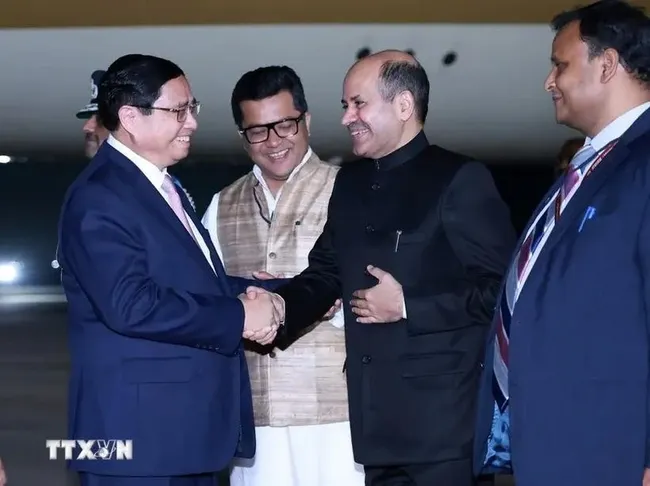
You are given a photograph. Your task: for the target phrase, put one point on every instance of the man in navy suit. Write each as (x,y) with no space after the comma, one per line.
(565,397)
(155,324)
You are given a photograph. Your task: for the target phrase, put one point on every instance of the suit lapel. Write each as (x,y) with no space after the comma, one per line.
(585,193)
(550,194)
(216,261)
(146,193)
(547,197)
(594,182)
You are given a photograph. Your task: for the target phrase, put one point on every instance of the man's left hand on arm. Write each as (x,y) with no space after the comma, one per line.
(382,303)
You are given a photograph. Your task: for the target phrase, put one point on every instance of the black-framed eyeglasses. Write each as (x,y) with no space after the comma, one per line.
(287,127)
(181,113)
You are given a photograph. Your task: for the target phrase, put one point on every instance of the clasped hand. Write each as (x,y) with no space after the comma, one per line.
(382,303)
(264,314)
(264,275)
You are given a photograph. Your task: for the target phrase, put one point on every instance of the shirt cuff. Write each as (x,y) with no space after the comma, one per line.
(403,307)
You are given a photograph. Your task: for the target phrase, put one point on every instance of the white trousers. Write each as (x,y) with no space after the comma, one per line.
(307,455)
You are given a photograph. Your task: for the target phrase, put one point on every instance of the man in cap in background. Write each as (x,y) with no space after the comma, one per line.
(95,132)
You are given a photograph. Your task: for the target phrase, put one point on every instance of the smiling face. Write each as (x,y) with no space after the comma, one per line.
(374,124)
(287,130)
(575,81)
(164,136)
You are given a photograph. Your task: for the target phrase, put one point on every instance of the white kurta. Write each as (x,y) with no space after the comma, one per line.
(306,455)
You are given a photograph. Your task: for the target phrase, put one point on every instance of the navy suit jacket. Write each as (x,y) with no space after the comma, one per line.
(154,334)
(579,341)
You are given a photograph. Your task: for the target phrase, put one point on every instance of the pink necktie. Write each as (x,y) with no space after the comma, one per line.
(175,202)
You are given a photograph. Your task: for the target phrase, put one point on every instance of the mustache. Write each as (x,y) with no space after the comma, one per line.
(357,126)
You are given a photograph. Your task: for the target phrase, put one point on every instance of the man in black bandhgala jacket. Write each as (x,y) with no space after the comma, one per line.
(416,242)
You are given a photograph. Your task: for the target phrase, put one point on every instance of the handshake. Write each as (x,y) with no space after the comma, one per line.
(264,314)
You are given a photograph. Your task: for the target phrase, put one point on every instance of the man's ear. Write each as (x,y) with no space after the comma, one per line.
(610,62)
(405,105)
(308,122)
(129,116)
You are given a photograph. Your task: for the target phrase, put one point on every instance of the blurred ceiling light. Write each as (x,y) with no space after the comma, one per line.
(9,272)
(5,159)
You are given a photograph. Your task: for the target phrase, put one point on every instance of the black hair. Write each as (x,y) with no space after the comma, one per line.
(613,24)
(133,80)
(263,83)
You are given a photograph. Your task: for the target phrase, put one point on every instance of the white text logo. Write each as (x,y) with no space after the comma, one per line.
(91,449)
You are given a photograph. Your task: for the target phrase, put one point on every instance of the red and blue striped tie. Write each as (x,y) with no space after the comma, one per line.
(516,275)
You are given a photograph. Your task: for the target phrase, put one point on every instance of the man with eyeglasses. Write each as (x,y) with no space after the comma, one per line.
(155,323)
(269,220)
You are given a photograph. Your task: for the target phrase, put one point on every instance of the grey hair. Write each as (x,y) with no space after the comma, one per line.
(398,76)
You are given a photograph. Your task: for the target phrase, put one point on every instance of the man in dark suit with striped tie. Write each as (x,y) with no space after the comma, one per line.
(564,399)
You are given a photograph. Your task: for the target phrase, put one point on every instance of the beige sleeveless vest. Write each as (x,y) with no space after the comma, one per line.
(305,384)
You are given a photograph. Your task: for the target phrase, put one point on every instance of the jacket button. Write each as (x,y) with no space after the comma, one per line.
(370,228)
(375,186)
(272,255)
(366,359)
(272,354)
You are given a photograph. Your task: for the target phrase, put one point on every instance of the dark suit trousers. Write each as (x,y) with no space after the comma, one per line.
(448,473)
(87,479)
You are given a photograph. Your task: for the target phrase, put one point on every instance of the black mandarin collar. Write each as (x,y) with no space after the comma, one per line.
(403,154)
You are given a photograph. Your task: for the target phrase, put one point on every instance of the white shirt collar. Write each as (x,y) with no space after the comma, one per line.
(155,175)
(617,128)
(257,172)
